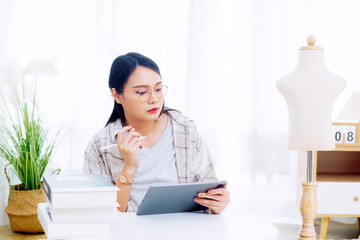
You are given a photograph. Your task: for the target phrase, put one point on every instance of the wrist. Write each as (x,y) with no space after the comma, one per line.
(128,171)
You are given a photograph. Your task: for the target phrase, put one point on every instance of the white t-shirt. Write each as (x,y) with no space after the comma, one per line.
(157,166)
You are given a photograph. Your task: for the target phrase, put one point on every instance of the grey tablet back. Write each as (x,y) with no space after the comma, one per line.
(175,198)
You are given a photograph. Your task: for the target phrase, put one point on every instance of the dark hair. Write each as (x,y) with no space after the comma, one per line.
(121,68)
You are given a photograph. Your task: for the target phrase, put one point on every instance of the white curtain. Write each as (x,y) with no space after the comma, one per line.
(221,60)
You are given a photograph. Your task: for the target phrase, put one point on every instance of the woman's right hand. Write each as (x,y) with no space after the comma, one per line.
(128,147)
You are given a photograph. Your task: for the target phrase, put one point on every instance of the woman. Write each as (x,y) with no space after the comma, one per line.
(152,144)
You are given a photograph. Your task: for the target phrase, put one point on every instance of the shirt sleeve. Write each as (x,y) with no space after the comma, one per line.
(94,162)
(206,169)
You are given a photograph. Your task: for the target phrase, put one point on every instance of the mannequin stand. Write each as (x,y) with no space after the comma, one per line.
(310,118)
(308,204)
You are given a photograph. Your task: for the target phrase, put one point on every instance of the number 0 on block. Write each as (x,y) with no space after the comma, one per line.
(338,134)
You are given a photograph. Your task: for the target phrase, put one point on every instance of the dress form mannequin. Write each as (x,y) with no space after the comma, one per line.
(310,92)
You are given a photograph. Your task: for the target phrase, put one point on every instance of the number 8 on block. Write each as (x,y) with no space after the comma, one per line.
(349,134)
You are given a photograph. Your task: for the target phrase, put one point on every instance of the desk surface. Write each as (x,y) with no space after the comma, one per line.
(227,225)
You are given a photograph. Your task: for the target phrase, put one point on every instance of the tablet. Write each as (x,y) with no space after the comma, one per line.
(175,198)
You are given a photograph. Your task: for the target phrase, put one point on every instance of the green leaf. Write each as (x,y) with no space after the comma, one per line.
(24,143)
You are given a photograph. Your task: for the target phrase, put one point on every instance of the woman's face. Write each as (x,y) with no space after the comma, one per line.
(139,98)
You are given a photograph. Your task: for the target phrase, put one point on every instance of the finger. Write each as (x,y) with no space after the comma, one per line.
(140,143)
(137,145)
(221,191)
(214,206)
(131,134)
(134,143)
(208,203)
(121,132)
(219,198)
(208,211)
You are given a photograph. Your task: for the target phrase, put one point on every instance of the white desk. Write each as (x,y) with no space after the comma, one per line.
(227,225)
(184,226)
(188,226)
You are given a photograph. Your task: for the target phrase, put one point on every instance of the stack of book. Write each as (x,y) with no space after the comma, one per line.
(77,206)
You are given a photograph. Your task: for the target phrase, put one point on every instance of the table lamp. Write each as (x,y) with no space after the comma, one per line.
(351,110)
(310,92)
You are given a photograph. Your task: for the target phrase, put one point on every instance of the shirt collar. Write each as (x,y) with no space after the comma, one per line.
(179,118)
(115,128)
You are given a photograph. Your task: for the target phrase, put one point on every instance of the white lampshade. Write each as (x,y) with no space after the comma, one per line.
(351,111)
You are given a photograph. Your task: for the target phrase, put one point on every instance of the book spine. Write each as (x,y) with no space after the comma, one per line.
(47,189)
(43,218)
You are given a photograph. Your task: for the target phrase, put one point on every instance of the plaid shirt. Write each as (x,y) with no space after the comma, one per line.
(193,159)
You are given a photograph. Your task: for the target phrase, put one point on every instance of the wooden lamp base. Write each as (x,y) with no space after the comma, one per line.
(308,208)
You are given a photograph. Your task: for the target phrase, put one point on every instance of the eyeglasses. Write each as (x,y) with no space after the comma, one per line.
(144,94)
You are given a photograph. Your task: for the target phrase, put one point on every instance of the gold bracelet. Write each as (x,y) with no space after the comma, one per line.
(123,179)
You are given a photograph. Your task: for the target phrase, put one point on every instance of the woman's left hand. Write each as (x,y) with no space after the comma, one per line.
(216,199)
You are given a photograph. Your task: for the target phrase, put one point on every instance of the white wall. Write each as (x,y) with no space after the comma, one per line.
(221,60)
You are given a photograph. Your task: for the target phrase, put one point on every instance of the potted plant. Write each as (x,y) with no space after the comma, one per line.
(25,148)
